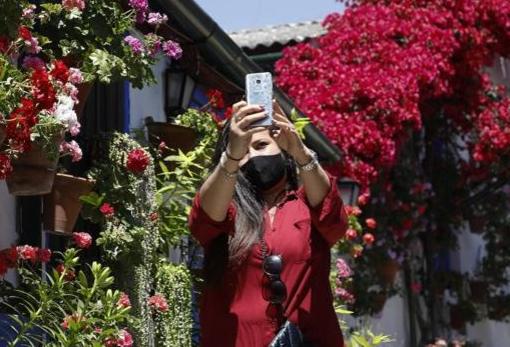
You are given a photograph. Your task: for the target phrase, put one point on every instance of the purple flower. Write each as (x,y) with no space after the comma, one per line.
(343,268)
(172,49)
(141,7)
(156,18)
(135,44)
(32,62)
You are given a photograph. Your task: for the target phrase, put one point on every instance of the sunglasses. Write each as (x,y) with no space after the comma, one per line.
(274,290)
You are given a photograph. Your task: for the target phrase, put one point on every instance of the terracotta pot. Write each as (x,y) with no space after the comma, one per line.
(175,136)
(388,270)
(2,134)
(479,291)
(84,90)
(33,172)
(62,206)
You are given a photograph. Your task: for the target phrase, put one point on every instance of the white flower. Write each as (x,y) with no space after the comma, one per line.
(65,112)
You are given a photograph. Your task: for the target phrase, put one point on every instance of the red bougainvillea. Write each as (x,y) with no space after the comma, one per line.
(383,67)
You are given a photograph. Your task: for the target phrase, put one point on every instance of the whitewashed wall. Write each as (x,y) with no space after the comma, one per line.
(149,101)
(8,235)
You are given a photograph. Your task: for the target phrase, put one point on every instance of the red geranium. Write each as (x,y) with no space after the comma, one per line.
(107,210)
(5,166)
(43,92)
(124,300)
(60,71)
(137,160)
(5,43)
(69,274)
(44,255)
(215,98)
(27,252)
(158,302)
(24,33)
(82,240)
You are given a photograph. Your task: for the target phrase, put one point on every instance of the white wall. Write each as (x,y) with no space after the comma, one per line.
(149,101)
(8,235)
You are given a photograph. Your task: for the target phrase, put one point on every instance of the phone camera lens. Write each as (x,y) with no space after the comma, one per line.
(258,81)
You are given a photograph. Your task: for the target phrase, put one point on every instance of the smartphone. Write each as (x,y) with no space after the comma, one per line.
(259,91)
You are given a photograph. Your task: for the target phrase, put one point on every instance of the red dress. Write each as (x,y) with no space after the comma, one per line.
(234,313)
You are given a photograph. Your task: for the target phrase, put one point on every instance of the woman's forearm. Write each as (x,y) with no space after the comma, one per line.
(315,182)
(218,189)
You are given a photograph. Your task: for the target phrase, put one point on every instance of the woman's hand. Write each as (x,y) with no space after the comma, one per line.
(287,137)
(240,131)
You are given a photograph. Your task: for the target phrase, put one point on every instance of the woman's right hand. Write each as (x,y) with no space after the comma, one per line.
(240,127)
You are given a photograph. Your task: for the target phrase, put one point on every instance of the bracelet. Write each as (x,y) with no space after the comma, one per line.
(226,173)
(312,164)
(231,157)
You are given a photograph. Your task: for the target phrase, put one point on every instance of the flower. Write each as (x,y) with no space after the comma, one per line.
(72,148)
(172,49)
(124,300)
(107,210)
(33,62)
(44,255)
(343,268)
(416,287)
(156,18)
(28,12)
(356,251)
(70,5)
(137,160)
(27,252)
(5,166)
(344,295)
(351,234)
(135,44)
(141,7)
(371,223)
(352,210)
(75,76)
(363,199)
(368,238)
(123,339)
(158,302)
(154,216)
(60,71)
(82,240)
(215,98)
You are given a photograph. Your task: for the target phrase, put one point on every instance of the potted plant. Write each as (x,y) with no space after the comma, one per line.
(35,129)
(169,136)
(62,206)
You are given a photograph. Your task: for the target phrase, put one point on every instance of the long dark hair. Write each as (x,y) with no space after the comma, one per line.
(230,251)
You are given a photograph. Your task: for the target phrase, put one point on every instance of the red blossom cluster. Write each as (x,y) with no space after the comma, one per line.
(123,339)
(9,257)
(158,302)
(384,66)
(82,240)
(137,160)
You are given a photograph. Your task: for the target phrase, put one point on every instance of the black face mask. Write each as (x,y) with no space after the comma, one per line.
(264,171)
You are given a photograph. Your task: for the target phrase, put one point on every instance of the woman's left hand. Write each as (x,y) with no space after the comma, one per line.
(286,136)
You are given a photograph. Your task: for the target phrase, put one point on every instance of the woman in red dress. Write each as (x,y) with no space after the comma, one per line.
(266,240)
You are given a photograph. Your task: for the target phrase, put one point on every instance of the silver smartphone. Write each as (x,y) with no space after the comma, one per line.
(259,91)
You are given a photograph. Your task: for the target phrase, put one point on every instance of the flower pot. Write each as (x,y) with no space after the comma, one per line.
(479,291)
(33,173)
(84,90)
(62,206)
(387,271)
(175,136)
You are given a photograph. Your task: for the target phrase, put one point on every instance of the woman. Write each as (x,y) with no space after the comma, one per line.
(267,243)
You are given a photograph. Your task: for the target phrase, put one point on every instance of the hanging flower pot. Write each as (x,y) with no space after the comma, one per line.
(388,270)
(174,136)
(62,206)
(33,172)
